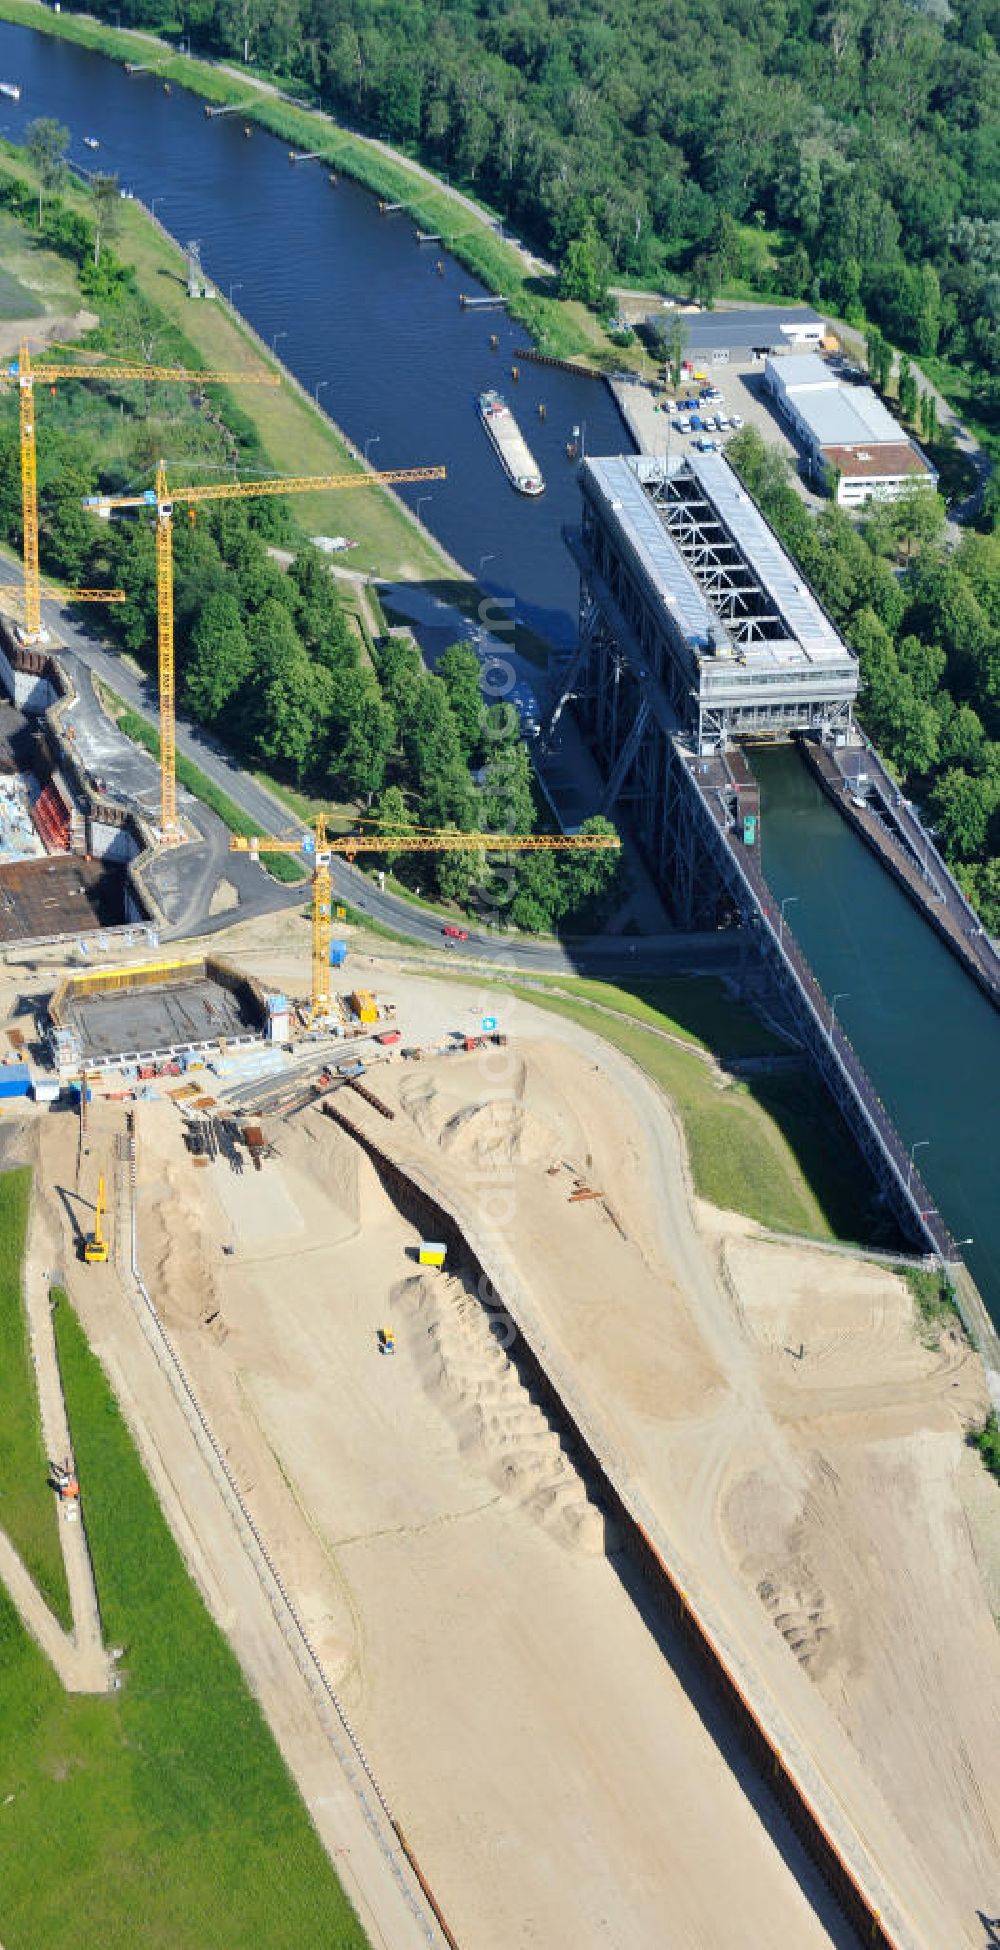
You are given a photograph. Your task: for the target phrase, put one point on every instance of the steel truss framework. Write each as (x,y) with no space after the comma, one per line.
(716,563)
(636,735)
(684,807)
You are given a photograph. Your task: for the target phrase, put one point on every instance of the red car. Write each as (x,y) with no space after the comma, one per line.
(455,934)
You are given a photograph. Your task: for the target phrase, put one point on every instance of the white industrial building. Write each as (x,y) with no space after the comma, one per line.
(849,437)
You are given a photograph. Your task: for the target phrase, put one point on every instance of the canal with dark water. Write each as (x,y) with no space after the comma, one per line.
(927,1036)
(358,304)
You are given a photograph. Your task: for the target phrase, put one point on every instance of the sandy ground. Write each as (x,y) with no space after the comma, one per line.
(555,1779)
(561,1779)
(40,332)
(793,1431)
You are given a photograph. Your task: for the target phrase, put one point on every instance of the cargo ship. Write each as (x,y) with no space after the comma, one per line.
(511,448)
(12,90)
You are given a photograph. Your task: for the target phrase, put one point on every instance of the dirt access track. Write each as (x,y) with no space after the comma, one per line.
(561,1773)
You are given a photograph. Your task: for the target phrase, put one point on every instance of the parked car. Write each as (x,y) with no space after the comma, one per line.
(452,933)
(707,446)
(682,423)
(696,423)
(736,419)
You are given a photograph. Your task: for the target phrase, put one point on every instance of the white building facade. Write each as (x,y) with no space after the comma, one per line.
(851,440)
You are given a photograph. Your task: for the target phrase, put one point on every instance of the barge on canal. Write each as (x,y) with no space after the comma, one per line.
(511,448)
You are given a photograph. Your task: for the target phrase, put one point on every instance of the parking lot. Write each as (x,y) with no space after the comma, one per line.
(655,418)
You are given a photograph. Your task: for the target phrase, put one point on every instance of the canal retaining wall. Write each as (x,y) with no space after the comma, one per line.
(916,867)
(783,1765)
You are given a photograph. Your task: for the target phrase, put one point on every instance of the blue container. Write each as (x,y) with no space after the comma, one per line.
(74,1091)
(15,1080)
(338,954)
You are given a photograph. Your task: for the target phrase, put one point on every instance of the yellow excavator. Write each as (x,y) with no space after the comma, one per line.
(95,1246)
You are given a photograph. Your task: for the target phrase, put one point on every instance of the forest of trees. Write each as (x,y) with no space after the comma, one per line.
(928,641)
(865,132)
(266,657)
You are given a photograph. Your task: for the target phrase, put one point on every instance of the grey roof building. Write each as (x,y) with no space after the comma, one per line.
(848,434)
(726,637)
(741,331)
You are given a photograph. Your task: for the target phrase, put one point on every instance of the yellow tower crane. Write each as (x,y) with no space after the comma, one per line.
(322,848)
(23,373)
(162,499)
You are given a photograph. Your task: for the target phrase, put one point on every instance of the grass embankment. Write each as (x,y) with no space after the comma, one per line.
(33,280)
(283,867)
(934,1299)
(28,1510)
(162,1815)
(767,1147)
(697,1008)
(987,1441)
(294,436)
(566,331)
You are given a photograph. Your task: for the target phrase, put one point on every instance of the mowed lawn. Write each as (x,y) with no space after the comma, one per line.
(697,1008)
(28,1510)
(296,436)
(33,279)
(162,1817)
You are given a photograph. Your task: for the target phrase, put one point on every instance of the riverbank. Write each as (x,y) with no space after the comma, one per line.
(296,435)
(563,329)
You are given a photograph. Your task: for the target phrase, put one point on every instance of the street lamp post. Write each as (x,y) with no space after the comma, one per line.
(237,285)
(787,902)
(318,388)
(153,201)
(920,1145)
(421,498)
(483,561)
(372,441)
(842,995)
(274,341)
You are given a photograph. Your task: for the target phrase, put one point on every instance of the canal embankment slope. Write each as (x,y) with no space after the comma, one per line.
(726,1414)
(466,228)
(296,435)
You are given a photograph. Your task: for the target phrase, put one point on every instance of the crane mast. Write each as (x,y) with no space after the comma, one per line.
(163,501)
(25,373)
(322,848)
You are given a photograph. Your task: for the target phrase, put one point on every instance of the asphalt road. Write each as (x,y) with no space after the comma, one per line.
(186,879)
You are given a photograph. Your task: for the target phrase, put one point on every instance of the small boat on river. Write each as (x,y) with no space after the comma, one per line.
(91,142)
(12,90)
(509,444)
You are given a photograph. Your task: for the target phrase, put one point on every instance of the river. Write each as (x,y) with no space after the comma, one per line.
(359,305)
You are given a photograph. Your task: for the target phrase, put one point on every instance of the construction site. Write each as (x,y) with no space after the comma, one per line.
(566,1487)
(610,1570)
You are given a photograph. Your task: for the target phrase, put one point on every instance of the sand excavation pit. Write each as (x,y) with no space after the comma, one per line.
(869,1570)
(779,1409)
(544,1757)
(459,1353)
